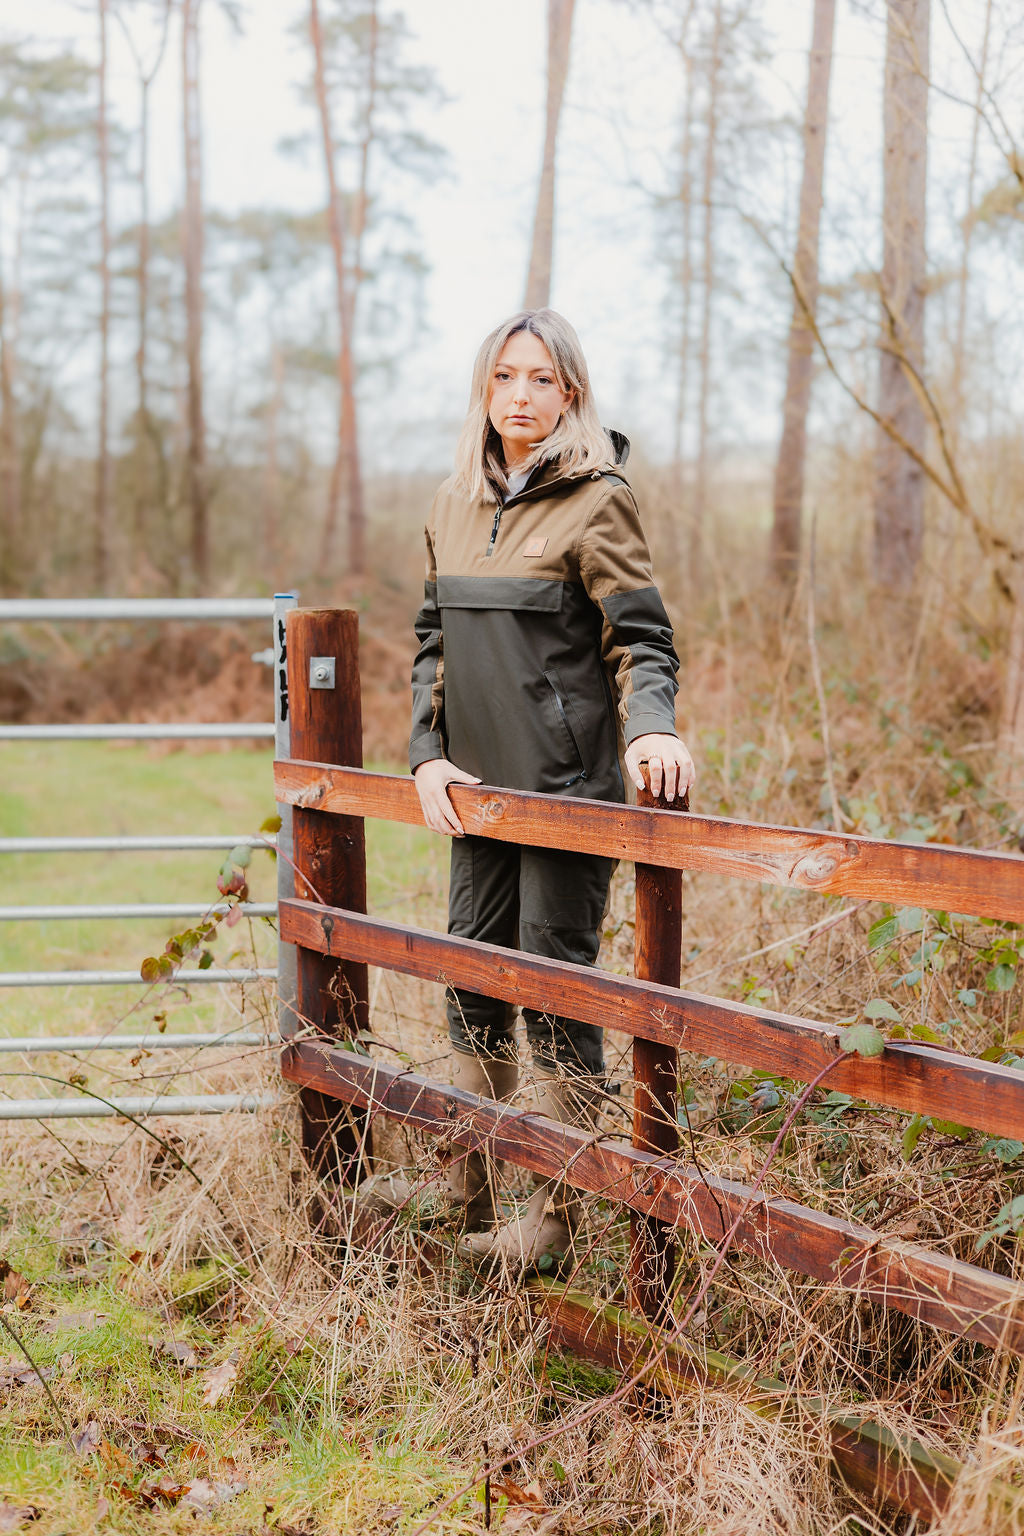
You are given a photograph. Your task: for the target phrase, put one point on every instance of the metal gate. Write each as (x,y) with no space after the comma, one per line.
(275,655)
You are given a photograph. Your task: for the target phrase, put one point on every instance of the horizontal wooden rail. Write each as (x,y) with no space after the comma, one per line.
(930,1287)
(918,1078)
(899,1472)
(907,874)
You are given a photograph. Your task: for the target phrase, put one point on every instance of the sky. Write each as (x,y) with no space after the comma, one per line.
(622,108)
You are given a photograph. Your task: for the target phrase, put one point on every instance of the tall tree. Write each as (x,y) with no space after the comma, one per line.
(365,95)
(789,466)
(103,511)
(347,467)
(714,69)
(538,280)
(146,431)
(197,490)
(47,118)
(899,477)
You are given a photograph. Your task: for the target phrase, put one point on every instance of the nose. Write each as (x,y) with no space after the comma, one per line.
(520,392)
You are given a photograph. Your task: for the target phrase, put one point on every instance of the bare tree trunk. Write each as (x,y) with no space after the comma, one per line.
(959,343)
(700,489)
(10,469)
(899,479)
(686,282)
(146,428)
(1010,752)
(538,281)
(197,490)
(102,514)
(346,468)
(271,470)
(789,467)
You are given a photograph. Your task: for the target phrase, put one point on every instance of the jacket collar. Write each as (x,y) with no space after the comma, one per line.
(546,477)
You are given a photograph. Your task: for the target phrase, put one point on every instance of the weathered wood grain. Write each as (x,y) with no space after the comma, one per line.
(331,992)
(917,1078)
(897,1471)
(931,1287)
(657,945)
(907,874)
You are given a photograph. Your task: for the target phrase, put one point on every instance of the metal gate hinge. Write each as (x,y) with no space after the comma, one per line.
(321,671)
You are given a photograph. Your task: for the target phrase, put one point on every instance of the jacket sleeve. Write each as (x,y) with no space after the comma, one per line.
(636,636)
(426,740)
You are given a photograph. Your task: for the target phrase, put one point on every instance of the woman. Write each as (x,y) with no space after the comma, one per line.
(546,664)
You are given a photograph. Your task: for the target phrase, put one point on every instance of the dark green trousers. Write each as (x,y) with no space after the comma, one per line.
(541,900)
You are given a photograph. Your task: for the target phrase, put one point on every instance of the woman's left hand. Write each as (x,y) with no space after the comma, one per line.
(669,762)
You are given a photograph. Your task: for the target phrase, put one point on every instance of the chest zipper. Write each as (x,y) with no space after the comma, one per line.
(494,530)
(577,778)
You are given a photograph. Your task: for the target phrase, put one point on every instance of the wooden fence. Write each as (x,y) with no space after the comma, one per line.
(342,1090)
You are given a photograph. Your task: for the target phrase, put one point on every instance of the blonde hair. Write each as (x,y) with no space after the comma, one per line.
(579,444)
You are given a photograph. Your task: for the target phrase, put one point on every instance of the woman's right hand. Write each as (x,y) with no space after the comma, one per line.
(432,779)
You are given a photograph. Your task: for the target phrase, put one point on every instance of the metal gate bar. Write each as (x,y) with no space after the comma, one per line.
(124,909)
(136,609)
(130,978)
(39,1045)
(237,730)
(182,844)
(170,1104)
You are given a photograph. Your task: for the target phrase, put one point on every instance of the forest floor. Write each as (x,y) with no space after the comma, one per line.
(203,1357)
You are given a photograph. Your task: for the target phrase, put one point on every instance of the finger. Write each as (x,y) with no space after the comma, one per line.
(671,780)
(656,777)
(453,826)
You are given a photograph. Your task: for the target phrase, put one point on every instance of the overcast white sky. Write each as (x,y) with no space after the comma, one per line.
(623,99)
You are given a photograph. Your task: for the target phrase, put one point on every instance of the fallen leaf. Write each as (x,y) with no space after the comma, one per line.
(102,1508)
(16,1287)
(71,1322)
(218,1381)
(15,1371)
(181,1353)
(167,1489)
(112,1456)
(507,1489)
(206,1493)
(14,1516)
(149,1454)
(86,1441)
(194,1451)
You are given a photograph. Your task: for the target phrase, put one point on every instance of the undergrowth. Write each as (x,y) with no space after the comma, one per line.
(211,1348)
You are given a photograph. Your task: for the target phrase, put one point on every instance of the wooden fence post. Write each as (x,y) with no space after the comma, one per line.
(330,861)
(658,938)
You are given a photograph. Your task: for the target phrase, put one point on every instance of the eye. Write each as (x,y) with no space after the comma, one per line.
(502,378)
(545,380)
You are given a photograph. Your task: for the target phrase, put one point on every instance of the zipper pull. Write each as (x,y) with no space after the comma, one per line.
(494,529)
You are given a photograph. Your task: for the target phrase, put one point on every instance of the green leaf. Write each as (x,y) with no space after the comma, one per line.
(912,1135)
(1009,1219)
(1005,1149)
(878,1008)
(271,825)
(882,932)
(205,960)
(150,970)
(1001,978)
(925,1032)
(241,855)
(951,1128)
(864,1039)
(968,997)
(910,919)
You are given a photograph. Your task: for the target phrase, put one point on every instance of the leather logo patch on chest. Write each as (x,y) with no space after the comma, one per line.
(534,548)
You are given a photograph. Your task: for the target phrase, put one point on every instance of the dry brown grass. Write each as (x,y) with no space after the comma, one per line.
(373,1387)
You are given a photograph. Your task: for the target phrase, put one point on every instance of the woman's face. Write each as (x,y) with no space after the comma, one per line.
(525,400)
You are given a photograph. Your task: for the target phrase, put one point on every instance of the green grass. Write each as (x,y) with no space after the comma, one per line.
(102,789)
